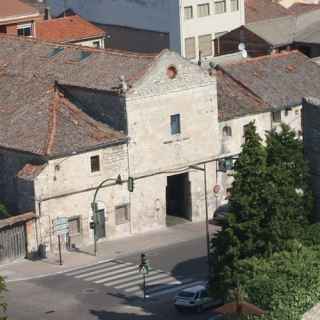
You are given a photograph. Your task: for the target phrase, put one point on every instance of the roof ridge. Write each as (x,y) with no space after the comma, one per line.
(83,48)
(52,122)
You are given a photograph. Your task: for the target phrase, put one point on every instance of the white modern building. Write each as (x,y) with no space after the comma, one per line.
(192,25)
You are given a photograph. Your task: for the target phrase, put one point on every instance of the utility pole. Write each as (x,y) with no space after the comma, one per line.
(204,170)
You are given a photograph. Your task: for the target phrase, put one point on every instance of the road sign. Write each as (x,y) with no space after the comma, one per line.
(216,188)
(61,225)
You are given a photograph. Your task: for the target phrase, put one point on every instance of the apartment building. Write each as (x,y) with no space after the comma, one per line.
(192,25)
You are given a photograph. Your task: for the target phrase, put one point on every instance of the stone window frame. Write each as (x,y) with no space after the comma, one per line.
(79,227)
(227,131)
(126,218)
(95,163)
(276,116)
(175,124)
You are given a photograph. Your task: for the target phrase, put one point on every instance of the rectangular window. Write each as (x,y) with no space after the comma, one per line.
(95,163)
(96,44)
(122,214)
(234,5)
(24,30)
(188,13)
(276,116)
(3,29)
(190,48)
(220,6)
(74,226)
(205,45)
(175,124)
(203,10)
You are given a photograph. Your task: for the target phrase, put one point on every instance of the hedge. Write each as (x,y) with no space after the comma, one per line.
(285,285)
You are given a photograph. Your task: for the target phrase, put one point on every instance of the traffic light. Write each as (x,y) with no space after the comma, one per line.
(144,264)
(130,184)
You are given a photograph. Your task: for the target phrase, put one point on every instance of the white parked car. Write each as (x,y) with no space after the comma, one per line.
(196,298)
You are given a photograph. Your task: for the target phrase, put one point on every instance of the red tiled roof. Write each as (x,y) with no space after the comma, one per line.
(67,29)
(30,171)
(258,10)
(301,8)
(15,9)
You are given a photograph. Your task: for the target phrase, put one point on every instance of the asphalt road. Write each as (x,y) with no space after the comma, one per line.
(73,296)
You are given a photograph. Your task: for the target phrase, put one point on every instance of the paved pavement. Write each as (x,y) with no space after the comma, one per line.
(109,290)
(107,250)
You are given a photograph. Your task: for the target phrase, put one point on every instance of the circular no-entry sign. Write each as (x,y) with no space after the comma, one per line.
(216,188)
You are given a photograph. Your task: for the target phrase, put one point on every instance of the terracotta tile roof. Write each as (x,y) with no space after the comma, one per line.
(269,82)
(258,10)
(15,9)
(17,219)
(301,8)
(36,117)
(72,65)
(67,29)
(30,171)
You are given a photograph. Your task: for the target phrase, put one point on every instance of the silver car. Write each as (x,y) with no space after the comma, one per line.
(196,298)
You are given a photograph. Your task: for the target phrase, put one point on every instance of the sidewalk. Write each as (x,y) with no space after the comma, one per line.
(110,249)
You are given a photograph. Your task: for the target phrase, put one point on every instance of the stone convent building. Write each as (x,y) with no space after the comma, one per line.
(72,117)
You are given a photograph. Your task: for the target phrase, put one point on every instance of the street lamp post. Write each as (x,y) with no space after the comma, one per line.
(204,170)
(118,180)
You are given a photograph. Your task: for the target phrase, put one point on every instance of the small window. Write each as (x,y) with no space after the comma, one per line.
(276,116)
(286,112)
(95,164)
(190,48)
(175,124)
(234,5)
(188,13)
(227,132)
(122,214)
(203,10)
(3,29)
(96,44)
(24,30)
(205,45)
(220,6)
(74,226)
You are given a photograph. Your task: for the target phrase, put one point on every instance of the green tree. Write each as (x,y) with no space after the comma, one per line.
(240,236)
(3,305)
(3,211)
(288,197)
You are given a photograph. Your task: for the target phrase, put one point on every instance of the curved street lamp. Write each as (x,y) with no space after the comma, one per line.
(94,207)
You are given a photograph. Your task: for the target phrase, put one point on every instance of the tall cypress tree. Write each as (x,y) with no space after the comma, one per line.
(240,236)
(288,197)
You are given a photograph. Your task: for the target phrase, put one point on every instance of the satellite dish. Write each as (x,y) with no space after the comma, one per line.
(241,46)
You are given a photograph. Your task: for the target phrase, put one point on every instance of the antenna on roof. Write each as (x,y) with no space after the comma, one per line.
(124,85)
(242,49)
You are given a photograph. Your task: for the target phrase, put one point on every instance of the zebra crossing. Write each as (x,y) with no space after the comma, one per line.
(124,276)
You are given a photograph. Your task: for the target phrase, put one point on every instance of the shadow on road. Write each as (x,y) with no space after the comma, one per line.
(194,268)
(110,315)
